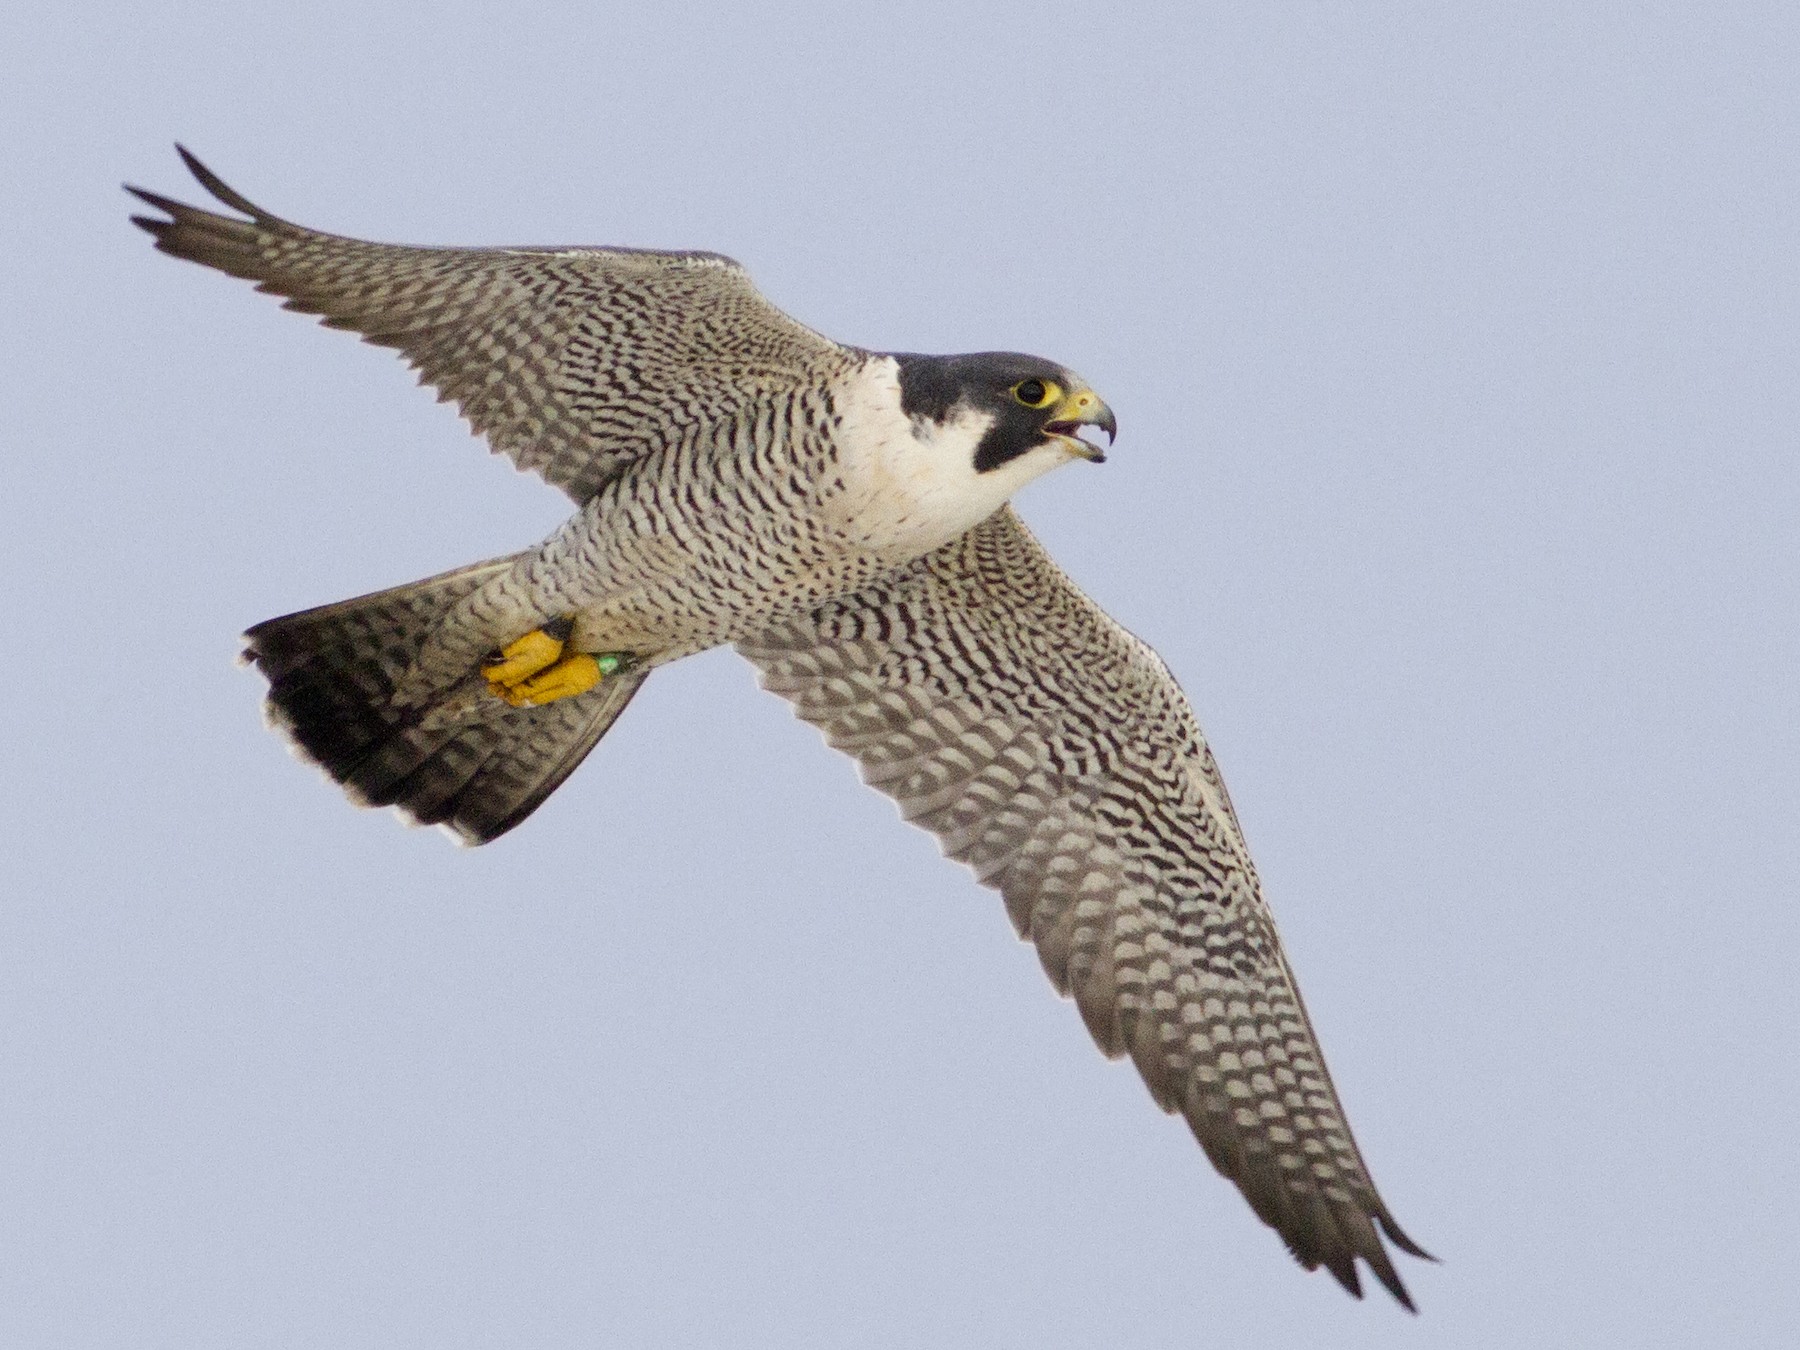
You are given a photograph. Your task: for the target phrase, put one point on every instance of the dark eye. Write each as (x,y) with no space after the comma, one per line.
(1035,393)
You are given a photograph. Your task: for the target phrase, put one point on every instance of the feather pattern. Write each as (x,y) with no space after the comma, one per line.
(1053,753)
(470,763)
(575,362)
(742,479)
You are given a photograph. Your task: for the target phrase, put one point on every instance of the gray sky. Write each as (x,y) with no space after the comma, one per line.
(1454,352)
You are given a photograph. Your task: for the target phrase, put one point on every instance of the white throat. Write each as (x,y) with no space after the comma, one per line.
(910,484)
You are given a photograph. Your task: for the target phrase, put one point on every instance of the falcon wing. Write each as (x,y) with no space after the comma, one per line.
(574,362)
(1053,753)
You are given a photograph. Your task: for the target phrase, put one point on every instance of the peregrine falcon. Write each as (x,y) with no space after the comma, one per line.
(842,517)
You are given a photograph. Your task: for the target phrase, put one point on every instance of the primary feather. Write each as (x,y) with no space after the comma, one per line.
(1053,753)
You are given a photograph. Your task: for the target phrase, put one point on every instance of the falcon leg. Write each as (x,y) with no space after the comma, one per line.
(533,669)
(538,649)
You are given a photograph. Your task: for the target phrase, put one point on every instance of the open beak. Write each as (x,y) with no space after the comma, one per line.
(1082,408)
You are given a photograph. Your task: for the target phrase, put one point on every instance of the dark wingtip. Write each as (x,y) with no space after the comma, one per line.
(218,187)
(1394,1235)
(1390,1281)
(1343,1268)
(1344,1272)
(1383,1269)
(154,226)
(160,202)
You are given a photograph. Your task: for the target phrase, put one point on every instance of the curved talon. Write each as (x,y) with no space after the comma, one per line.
(576,675)
(534,671)
(523,658)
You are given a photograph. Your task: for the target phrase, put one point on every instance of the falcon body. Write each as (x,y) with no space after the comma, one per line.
(842,516)
(709,543)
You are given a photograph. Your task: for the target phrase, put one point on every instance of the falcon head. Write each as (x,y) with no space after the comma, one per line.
(1035,404)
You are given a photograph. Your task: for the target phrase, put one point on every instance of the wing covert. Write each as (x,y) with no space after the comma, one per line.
(573,362)
(1053,753)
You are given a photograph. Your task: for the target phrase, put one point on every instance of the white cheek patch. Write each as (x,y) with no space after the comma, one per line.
(910,483)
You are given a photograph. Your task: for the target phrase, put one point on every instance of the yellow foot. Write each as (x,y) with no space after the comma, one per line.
(534,670)
(573,675)
(536,650)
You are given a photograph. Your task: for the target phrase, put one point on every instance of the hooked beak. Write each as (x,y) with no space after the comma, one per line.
(1082,408)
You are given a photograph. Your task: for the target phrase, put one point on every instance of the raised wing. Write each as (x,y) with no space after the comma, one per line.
(574,361)
(1053,753)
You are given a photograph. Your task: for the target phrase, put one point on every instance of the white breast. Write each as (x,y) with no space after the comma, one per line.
(907,485)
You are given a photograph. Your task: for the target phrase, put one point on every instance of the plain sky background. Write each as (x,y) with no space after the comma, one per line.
(1454,352)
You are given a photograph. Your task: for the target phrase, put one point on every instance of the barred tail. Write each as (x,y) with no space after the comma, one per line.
(469,762)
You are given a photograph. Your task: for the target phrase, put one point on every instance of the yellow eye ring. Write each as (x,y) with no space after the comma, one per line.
(1037,393)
